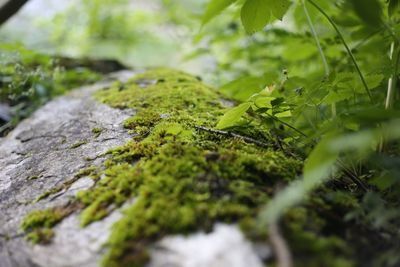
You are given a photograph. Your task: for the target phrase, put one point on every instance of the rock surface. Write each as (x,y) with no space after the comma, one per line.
(51,147)
(44,151)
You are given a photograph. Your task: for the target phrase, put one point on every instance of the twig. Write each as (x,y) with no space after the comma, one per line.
(230,134)
(281,249)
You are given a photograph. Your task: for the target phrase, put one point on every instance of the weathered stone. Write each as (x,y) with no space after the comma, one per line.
(49,149)
(42,153)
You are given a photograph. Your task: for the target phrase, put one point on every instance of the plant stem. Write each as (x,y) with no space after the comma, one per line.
(346,46)
(391,85)
(321,52)
(317,42)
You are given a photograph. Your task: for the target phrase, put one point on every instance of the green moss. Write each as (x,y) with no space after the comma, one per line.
(87,172)
(97,131)
(41,236)
(42,218)
(38,224)
(184,179)
(78,144)
(311,247)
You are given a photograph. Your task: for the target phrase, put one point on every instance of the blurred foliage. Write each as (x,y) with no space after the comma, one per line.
(342,117)
(29,79)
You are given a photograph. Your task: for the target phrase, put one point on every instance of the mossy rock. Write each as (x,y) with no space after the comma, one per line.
(177,175)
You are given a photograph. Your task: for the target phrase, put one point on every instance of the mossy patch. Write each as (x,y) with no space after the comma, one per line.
(182,178)
(87,172)
(78,144)
(97,131)
(38,224)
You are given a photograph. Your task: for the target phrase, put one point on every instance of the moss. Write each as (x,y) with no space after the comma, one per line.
(43,218)
(38,224)
(97,131)
(34,177)
(78,144)
(87,172)
(311,246)
(41,236)
(184,179)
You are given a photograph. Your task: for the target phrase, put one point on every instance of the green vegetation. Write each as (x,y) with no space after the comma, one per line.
(38,224)
(184,179)
(29,79)
(78,144)
(97,131)
(303,132)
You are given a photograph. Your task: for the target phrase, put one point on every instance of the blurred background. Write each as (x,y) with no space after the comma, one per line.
(138,33)
(43,45)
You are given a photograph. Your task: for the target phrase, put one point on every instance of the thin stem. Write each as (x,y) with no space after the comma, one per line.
(346,46)
(317,42)
(391,85)
(321,52)
(231,134)
(286,124)
(280,247)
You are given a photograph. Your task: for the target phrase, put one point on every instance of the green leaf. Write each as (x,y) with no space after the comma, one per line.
(319,163)
(374,80)
(370,11)
(335,97)
(279,8)
(244,87)
(284,114)
(232,116)
(214,8)
(264,102)
(256,14)
(393,6)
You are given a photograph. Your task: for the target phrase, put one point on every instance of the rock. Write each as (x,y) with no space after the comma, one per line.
(46,151)
(225,246)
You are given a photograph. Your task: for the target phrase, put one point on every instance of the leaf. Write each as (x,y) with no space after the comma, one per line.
(232,116)
(256,14)
(335,97)
(279,8)
(284,114)
(319,163)
(374,80)
(370,11)
(393,6)
(264,102)
(243,87)
(214,8)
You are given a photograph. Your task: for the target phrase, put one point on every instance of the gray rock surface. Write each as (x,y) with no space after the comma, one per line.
(225,246)
(40,154)
(48,149)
